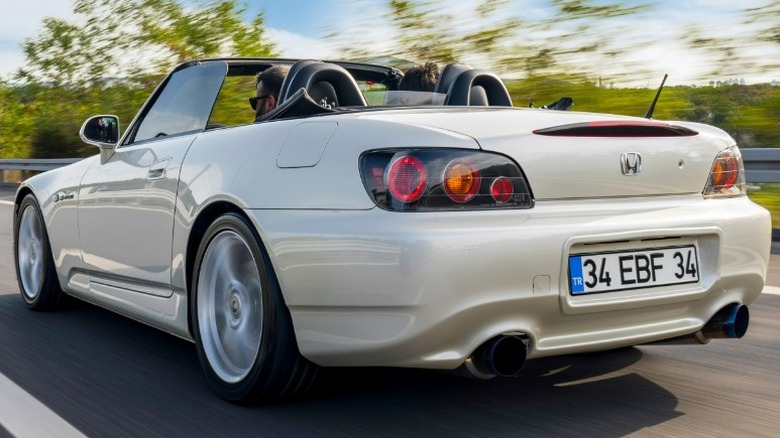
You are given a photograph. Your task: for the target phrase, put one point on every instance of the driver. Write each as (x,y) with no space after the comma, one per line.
(268,84)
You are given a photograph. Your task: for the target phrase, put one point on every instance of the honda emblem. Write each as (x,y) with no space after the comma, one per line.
(630,163)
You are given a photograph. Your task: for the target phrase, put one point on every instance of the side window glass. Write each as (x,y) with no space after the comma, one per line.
(185,103)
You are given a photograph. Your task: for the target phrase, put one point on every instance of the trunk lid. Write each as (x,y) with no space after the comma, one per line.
(600,163)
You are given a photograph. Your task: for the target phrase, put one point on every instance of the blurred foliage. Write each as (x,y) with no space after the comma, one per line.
(232,107)
(573,36)
(136,39)
(768,196)
(731,53)
(749,113)
(108,60)
(427,30)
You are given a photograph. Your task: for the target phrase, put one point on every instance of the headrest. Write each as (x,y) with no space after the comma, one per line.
(310,74)
(460,92)
(299,104)
(285,92)
(324,94)
(478,96)
(448,75)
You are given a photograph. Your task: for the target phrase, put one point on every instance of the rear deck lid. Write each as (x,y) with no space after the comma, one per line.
(582,155)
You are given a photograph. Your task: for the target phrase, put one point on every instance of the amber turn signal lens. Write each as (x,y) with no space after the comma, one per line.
(461,181)
(725,171)
(727,175)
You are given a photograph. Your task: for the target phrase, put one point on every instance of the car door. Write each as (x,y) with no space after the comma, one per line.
(127,205)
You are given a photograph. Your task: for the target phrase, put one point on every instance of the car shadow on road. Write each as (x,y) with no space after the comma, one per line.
(99,370)
(557,396)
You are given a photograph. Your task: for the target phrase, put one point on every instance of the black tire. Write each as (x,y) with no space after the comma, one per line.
(35,271)
(233,286)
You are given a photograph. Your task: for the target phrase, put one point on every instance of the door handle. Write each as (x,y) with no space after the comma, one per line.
(157,169)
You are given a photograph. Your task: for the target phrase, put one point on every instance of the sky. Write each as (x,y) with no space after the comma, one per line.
(298,28)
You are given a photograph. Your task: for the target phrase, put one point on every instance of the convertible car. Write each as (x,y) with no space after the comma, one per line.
(355,226)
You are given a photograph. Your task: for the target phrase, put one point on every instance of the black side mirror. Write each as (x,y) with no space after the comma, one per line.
(100,130)
(103,132)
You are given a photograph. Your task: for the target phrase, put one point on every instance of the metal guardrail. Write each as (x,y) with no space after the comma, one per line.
(36,164)
(762,165)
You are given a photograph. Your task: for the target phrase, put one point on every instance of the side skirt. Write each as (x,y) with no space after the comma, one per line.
(159,307)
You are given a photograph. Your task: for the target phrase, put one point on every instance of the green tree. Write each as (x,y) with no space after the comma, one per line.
(108,60)
(17,121)
(131,38)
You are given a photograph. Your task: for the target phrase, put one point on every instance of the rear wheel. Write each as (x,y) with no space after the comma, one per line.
(34,263)
(242,328)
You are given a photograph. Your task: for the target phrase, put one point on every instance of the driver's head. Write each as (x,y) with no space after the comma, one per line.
(267,87)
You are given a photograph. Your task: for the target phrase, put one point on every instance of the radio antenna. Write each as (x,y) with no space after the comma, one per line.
(650,110)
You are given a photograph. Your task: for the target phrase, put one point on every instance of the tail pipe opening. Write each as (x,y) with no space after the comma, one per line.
(729,322)
(501,356)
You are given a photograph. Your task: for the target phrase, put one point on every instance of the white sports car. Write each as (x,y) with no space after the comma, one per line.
(443,231)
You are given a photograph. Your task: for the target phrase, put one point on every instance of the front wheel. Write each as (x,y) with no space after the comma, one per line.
(242,328)
(35,272)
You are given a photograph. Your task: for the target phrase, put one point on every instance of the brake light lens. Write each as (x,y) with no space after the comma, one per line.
(443,179)
(502,189)
(727,176)
(407,178)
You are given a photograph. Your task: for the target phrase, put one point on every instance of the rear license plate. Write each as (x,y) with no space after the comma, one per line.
(624,270)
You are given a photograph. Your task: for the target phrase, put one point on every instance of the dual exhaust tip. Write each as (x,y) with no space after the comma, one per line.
(729,322)
(505,355)
(502,356)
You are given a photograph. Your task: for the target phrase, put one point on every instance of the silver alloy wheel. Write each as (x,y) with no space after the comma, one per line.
(30,252)
(230,306)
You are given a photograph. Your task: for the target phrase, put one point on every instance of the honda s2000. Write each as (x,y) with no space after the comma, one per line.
(360,225)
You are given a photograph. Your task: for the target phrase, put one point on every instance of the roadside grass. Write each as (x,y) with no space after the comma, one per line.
(768,196)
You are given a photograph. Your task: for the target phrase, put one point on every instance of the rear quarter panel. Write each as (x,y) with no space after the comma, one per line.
(242,166)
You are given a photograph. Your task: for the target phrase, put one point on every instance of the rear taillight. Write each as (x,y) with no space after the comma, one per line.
(443,179)
(727,176)
(407,178)
(502,189)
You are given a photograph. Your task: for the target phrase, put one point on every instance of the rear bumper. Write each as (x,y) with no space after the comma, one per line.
(377,288)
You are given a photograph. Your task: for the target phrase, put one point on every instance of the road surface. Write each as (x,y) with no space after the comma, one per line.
(84,370)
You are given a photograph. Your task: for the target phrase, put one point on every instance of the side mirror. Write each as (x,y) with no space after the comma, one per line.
(103,132)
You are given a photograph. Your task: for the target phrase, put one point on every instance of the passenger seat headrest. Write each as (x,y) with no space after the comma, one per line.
(448,75)
(323,80)
(478,96)
(462,90)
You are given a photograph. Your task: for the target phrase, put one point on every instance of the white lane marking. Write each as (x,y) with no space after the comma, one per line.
(772,290)
(22,415)
(6,202)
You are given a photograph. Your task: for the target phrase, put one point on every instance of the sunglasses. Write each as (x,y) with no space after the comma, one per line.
(253,100)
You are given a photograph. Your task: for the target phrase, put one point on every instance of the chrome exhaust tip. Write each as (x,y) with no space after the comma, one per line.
(502,356)
(731,321)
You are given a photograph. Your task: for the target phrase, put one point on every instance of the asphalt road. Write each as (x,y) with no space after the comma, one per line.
(83,370)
